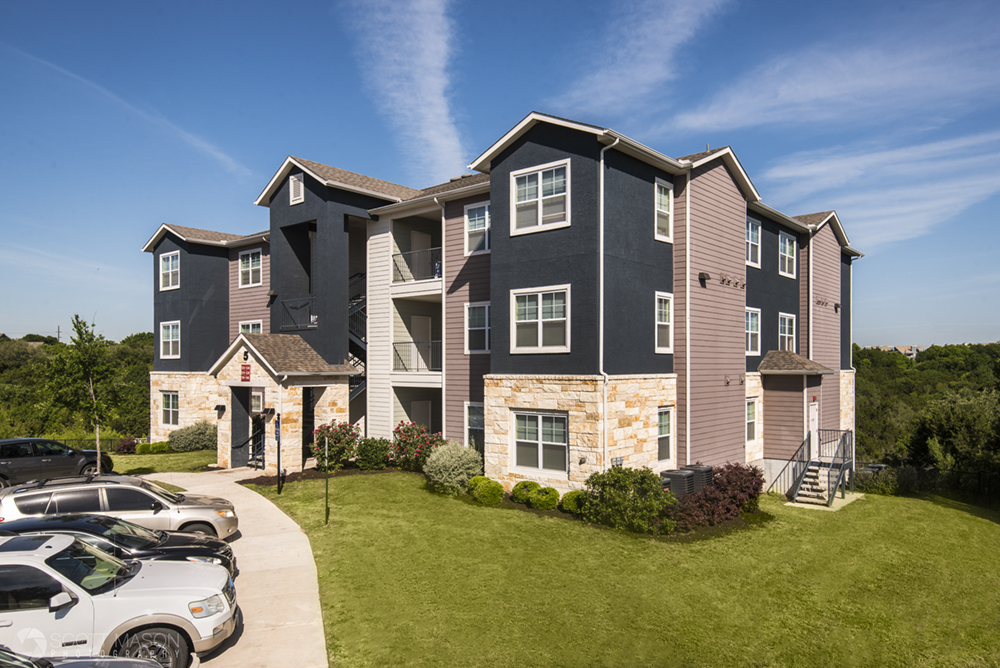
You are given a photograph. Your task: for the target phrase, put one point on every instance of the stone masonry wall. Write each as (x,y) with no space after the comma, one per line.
(755,389)
(197,397)
(633,403)
(847,399)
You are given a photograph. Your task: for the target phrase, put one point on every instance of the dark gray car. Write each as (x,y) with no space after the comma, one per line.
(24,459)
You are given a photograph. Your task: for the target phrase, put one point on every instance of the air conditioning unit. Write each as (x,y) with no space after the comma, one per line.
(678,482)
(703,475)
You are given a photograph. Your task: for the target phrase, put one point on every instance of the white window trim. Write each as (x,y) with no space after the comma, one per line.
(656,323)
(795,331)
(292,180)
(239,269)
(176,253)
(251,323)
(489,341)
(752,353)
(656,228)
(513,443)
(465,413)
(164,409)
(669,410)
(513,198)
(752,222)
(795,257)
(756,420)
(514,350)
(257,391)
(488,226)
(160,342)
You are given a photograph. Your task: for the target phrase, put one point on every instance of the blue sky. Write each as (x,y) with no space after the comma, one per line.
(116,117)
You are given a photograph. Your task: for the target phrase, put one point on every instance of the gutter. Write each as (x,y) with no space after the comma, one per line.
(600,318)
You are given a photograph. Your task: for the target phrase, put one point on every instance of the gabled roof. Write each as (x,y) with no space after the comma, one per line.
(818,220)
(283,355)
(195,235)
(462,186)
(335,178)
(787,363)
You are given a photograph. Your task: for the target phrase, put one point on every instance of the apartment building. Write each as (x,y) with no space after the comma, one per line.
(580,300)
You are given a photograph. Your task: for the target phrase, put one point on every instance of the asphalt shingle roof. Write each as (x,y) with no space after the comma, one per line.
(704,154)
(289,353)
(196,234)
(813,218)
(394,190)
(785,361)
(462,182)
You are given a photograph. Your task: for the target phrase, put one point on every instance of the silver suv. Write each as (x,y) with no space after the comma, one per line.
(133,499)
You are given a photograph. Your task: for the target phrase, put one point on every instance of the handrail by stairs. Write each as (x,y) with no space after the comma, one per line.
(256,442)
(790,478)
(843,455)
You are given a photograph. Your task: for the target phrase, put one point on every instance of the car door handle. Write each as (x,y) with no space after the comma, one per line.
(6,622)
(46,460)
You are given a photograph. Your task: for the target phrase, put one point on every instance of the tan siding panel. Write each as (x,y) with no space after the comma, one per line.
(784,416)
(379,309)
(249,303)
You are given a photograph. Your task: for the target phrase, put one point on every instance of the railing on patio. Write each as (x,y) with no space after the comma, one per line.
(829,443)
(840,468)
(298,313)
(416,356)
(416,265)
(790,479)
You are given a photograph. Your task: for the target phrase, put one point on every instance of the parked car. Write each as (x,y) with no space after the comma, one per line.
(61,597)
(10,659)
(128,541)
(125,497)
(24,459)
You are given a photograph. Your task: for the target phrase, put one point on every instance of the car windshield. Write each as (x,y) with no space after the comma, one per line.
(156,489)
(88,567)
(125,533)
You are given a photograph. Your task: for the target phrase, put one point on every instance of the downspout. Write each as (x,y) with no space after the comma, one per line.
(444,332)
(600,309)
(281,398)
(809,309)
(687,319)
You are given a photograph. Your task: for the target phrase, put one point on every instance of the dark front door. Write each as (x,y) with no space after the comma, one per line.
(308,422)
(240,416)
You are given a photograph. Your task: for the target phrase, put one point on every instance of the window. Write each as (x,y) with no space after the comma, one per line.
(664,322)
(170,340)
(751,420)
(542,441)
(171,410)
(664,211)
(540,197)
(26,588)
(249,268)
(753,243)
(77,501)
(477,328)
(256,400)
(475,427)
(541,320)
(296,191)
(477,228)
(251,327)
(121,499)
(753,331)
(170,271)
(663,432)
(786,255)
(786,332)
(33,505)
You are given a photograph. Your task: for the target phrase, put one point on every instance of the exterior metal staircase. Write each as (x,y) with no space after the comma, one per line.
(821,467)
(357,319)
(356,384)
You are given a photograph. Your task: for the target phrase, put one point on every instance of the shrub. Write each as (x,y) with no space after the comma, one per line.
(742,483)
(572,502)
(126,446)
(545,498)
(476,481)
(451,466)
(488,492)
(343,440)
(412,445)
(152,448)
(628,499)
(523,490)
(372,454)
(143,448)
(198,436)
(881,482)
(736,488)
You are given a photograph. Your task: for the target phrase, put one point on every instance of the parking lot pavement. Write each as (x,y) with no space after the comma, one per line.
(276,588)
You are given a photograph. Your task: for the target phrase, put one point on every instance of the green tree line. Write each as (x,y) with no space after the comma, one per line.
(942,409)
(48,388)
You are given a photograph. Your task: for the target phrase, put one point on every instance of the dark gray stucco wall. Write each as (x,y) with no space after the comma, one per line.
(846,344)
(769,291)
(200,304)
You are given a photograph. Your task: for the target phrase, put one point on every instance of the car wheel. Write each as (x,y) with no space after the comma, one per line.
(89,469)
(165,646)
(200,527)
(4,482)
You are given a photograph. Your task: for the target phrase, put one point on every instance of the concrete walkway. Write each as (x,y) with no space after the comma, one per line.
(276,588)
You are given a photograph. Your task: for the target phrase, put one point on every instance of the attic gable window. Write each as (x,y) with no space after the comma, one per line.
(170,271)
(296,189)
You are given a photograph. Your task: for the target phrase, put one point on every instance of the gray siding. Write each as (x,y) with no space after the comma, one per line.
(769,291)
(249,303)
(784,416)
(825,320)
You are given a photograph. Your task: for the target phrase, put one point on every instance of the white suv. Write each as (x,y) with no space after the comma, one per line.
(60,597)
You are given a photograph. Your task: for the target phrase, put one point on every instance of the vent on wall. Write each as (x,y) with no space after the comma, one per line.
(296,193)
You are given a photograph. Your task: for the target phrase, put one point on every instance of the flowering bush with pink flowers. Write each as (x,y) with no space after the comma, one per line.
(412,445)
(343,437)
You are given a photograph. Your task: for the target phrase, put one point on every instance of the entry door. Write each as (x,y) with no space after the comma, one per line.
(813,430)
(420,412)
(420,265)
(420,328)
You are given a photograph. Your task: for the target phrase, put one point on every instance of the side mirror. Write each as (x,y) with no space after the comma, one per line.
(61,601)
(156,505)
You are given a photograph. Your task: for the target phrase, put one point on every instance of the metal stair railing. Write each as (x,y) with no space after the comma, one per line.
(357,313)
(256,443)
(356,383)
(790,479)
(840,467)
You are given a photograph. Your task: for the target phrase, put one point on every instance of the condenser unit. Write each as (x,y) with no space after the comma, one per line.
(678,482)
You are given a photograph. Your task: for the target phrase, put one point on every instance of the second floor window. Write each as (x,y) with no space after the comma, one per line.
(477,228)
(786,332)
(664,211)
(753,331)
(170,340)
(541,197)
(541,320)
(477,328)
(250,269)
(251,327)
(786,255)
(170,271)
(664,322)
(753,243)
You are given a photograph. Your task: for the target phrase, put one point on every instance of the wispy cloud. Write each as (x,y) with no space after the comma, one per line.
(893,194)
(638,54)
(407,69)
(152,117)
(26,266)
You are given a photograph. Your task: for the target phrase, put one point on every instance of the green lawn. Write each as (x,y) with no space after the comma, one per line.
(412,578)
(164,462)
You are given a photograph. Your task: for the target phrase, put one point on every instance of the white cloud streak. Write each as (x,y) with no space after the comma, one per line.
(154,118)
(885,195)
(637,55)
(406,65)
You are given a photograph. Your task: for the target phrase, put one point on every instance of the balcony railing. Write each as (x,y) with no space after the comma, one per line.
(416,356)
(416,265)
(298,313)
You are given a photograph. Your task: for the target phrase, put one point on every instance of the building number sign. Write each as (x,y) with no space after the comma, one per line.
(245,373)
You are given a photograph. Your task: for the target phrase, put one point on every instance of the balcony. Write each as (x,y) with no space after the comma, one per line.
(418,265)
(298,314)
(416,356)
